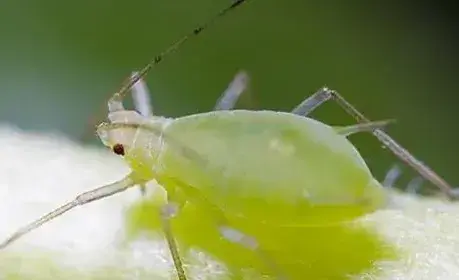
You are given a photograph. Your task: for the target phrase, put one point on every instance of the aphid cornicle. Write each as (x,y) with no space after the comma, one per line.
(270,168)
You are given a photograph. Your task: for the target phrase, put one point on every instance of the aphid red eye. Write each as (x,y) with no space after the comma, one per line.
(118,149)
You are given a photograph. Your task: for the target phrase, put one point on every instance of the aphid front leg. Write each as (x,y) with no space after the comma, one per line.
(325,94)
(228,99)
(81,199)
(177,191)
(168,211)
(236,236)
(175,202)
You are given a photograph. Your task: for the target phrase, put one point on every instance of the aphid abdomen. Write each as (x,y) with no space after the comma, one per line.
(273,167)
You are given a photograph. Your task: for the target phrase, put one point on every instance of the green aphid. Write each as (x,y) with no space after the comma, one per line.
(262,202)
(261,181)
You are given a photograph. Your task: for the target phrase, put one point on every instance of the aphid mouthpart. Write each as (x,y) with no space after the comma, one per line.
(118,149)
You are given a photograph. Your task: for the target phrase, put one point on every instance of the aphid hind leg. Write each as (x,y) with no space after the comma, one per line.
(325,94)
(230,96)
(413,187)
(81,199)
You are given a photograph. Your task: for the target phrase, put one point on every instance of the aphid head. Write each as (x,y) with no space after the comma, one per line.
(128,131)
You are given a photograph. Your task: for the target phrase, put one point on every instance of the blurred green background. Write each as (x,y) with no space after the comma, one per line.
(60,60)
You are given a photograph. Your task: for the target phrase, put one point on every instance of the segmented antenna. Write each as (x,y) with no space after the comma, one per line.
(157,59)
(131,81)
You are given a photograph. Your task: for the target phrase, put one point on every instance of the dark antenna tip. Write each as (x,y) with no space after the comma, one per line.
(157,59)
(132,80)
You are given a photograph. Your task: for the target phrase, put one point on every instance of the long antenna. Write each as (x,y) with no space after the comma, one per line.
(132,80)
(157,59)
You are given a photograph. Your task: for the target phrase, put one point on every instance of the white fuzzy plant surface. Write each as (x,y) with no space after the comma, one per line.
(39,172)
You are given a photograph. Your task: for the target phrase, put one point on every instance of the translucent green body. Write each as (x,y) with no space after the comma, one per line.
(269,167)
(288,181)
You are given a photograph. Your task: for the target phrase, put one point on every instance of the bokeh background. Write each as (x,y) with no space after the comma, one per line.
(60,60)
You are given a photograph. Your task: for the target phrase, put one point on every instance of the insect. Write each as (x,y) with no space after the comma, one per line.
(266,169)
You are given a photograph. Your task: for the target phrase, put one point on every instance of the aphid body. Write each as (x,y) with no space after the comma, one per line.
(268,167)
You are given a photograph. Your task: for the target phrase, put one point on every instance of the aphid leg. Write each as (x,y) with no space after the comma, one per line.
(230,96)
(236,236)
(143,189)
(81,199)
(115,103)
(394,173)
(414,186)
(391,176)
(175,191)
(142,104)
(168,211)
(311,103)
(175,201)
(141,97)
